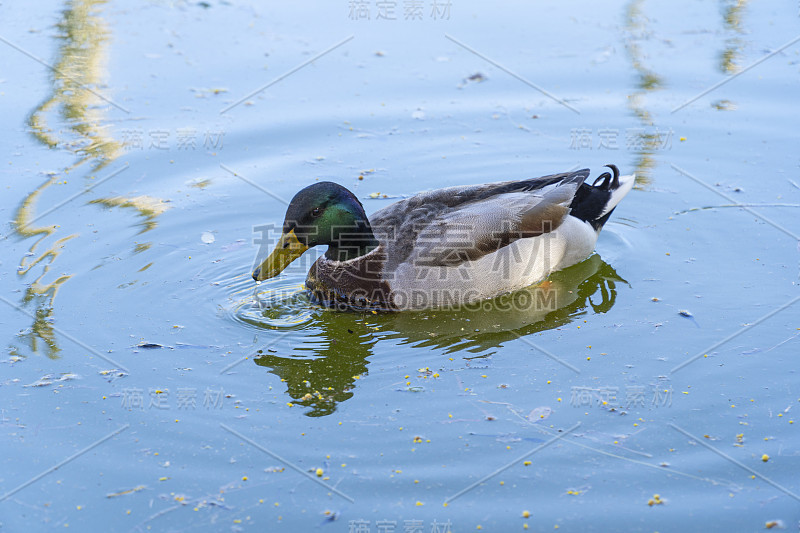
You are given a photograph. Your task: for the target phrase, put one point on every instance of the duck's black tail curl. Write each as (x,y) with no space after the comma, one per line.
(595,203)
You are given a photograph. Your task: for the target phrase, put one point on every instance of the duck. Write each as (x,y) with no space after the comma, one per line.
(446,247)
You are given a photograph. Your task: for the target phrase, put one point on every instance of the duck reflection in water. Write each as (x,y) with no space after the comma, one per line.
(325,369)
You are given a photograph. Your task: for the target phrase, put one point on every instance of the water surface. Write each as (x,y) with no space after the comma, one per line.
(143,170)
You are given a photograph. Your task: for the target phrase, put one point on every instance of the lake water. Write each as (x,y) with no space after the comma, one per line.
(147,384)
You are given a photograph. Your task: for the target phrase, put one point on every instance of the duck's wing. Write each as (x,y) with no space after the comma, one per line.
(448,227)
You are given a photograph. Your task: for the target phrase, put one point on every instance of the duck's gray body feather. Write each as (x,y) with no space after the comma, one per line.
(457,245)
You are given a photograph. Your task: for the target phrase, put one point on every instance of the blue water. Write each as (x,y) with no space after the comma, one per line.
(135,198)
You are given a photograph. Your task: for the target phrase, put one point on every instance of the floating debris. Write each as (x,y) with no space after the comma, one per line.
(690,316)
(234,245)
(126,492)
(205,92)
(475,78)
(540,413)
(49,379)
(113,374)
(724,105)
(149,346)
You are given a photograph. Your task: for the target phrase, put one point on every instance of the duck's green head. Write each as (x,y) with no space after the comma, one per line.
(323,213)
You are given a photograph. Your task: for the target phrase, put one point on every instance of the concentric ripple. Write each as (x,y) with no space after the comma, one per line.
(278,304)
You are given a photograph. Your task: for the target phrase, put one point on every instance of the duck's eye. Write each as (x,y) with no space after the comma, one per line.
(317,211)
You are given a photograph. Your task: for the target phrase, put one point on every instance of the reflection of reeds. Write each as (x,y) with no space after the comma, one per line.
(648,81)
(732,19)
(147,207)
(80,66)
(732,11)
(71,118)
(38,294)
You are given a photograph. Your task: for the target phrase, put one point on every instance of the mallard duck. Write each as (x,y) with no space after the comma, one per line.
(446,247)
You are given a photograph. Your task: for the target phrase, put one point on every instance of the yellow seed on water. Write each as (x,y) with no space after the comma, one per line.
(526,514)
(319,472)
(765,458)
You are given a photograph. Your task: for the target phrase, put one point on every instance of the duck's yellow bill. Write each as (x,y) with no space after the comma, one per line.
(287,250)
